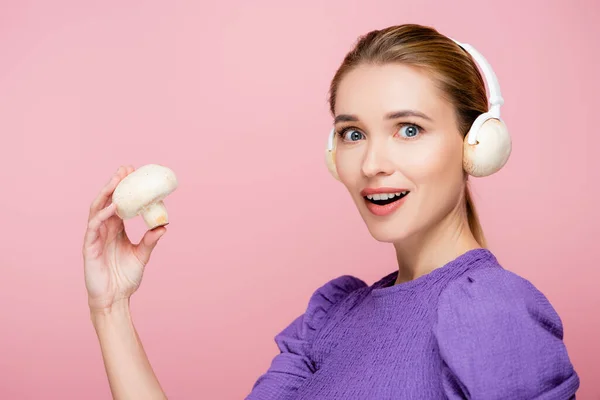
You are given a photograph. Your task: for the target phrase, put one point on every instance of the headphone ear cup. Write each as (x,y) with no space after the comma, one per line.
(330,161)
(492,150)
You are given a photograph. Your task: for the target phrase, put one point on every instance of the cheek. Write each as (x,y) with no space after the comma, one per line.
(348,162)
(434,161)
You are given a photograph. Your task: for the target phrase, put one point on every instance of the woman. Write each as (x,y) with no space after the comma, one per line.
(450,322)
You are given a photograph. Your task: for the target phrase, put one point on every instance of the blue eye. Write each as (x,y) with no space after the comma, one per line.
(409,130)
(354,135)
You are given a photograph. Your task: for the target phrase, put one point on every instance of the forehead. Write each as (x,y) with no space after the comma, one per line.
(374,90)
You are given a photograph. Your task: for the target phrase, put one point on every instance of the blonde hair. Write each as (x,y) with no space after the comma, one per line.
(452,68)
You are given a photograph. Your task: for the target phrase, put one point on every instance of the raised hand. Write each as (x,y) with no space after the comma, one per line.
(113,266)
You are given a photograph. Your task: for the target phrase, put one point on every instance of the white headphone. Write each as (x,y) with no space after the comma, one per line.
(487,145)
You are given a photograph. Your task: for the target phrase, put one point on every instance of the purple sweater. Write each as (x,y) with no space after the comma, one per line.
(467,330)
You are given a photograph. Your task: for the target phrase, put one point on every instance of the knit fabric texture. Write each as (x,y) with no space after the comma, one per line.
(467,330)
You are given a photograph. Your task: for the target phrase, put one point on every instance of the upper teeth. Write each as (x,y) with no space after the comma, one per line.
(384,196)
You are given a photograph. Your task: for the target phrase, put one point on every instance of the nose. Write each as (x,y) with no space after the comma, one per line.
(377,160)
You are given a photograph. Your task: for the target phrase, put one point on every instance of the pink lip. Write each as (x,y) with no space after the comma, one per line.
(368,191)
(382,211)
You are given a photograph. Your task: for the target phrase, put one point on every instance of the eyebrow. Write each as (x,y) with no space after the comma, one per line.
(392,115)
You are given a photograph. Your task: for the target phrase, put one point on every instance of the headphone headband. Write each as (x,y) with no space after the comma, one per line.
(491,80)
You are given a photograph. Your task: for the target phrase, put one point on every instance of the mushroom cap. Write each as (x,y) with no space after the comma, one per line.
(146,185)
(330,162)
(491,152)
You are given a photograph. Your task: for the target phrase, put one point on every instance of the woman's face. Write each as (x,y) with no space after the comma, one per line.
(397,136)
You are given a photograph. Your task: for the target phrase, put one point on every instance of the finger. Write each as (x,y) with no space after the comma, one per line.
(103,197)
(94,224)
(144,248)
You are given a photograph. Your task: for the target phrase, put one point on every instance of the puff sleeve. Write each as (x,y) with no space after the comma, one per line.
(293,364)
(500,338)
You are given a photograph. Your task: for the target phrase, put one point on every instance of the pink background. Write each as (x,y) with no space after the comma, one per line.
(233,98)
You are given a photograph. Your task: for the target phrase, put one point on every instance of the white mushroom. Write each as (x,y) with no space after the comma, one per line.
(142,193)
(491,152)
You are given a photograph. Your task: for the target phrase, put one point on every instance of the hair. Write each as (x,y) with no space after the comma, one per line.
(451,67)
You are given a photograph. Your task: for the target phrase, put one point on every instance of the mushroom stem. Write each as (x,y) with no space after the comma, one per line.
(155,215)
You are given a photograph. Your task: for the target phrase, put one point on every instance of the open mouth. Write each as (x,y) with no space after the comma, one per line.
(383,199)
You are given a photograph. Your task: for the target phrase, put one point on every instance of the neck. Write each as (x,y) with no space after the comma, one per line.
(434,247)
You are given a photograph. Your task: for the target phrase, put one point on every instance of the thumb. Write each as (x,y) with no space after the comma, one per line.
(148,242)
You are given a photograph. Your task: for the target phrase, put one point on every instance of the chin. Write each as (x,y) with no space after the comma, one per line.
(386,232)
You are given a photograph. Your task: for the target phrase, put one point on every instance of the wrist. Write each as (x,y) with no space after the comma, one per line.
(117,310)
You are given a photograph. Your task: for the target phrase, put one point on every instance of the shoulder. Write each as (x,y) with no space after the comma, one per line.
(328,297)
(500,337)
(493,293)
(294,364)
(322,303)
